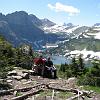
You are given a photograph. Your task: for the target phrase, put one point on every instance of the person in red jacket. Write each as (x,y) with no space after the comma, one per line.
(39,65)
(40,61)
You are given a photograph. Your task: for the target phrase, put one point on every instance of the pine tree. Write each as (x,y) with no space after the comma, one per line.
(74,67)
(80,63)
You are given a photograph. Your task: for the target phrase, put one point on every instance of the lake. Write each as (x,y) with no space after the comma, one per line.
(60,60)
(57,60)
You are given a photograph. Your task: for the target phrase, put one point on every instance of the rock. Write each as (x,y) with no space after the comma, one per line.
(28,82)
(31,72)
(9,81)
(12,73)
(2,80)
(25,71)
(17,77)
(71,82)
(29,99)
(48,98)
(25,75)
(9,77)
(15,93)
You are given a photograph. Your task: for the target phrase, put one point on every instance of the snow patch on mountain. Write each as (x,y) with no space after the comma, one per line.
(86,36)
(85,54)
(60,29)
(97,36)
(72,29)
(98,29)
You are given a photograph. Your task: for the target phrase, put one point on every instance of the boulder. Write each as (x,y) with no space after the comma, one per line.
(9,81)
(15,93)
(25,71)
(31,72)
(72,82)
(17,77)
(12,73)
(25,75)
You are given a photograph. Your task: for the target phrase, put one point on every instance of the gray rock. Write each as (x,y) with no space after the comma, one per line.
(25,75)
(12,73)
(9,81)
(31,72)
(17,77)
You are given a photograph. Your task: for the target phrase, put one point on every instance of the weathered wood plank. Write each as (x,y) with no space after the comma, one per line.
(24,96)
(4,92)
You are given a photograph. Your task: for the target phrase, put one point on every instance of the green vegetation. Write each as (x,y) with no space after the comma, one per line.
(78,44)
(75,69)
(64,95)
(94,88)
(92,76)
(18,94)
(60,95)
(46,93)
(11,57)
(6,57)
(85,75)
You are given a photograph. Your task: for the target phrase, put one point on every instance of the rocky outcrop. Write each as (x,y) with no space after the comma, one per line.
(12,73)
(47,23)
(18,75)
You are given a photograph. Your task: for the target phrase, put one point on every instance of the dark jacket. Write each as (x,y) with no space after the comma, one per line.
(49,63)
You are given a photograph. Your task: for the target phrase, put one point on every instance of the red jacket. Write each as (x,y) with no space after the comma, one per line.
(38,61)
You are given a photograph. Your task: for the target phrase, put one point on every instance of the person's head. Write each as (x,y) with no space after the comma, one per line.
(48,59)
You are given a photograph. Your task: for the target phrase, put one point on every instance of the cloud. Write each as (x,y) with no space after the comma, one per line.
(58,7)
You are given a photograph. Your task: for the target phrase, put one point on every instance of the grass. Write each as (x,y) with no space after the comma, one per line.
(59,73)
(18,94)
(46,93)
(94,88)
(64,95)
(60,95)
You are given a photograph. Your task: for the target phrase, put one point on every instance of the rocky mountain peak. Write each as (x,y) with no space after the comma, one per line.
(36,21)
(18,17)
(2,17)
(97,24)
(69,24)
(48,23)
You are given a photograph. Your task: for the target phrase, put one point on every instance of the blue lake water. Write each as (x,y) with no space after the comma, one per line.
(57,60)
(60,60)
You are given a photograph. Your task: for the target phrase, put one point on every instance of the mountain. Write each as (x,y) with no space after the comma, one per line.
(36,21)
(19,27)
(48,23)
(85,39)
(97,24)
(67,30)
(57,28)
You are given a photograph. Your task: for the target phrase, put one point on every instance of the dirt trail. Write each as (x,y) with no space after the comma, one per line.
(35,80)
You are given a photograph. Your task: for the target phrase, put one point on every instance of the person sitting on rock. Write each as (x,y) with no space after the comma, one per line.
(49,63)
(51,68)
(40,61)
(39,64)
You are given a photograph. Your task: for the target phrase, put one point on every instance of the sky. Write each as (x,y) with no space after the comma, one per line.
(78,12)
